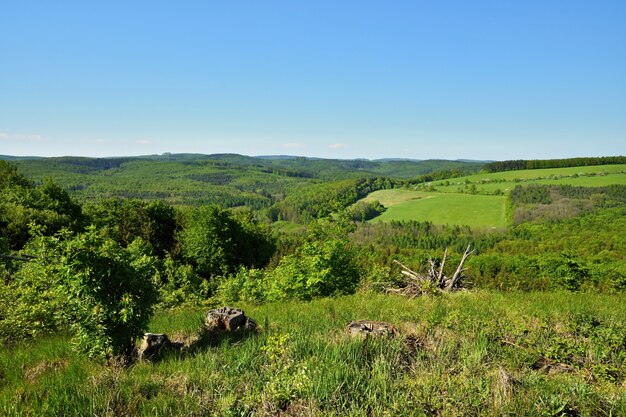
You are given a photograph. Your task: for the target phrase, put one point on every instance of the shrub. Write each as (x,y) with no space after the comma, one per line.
(179,284)
(248,285)
(326,265)
(106,290)
(217,242)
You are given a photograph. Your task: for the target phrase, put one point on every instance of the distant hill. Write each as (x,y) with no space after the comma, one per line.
(18,158)
(226,179)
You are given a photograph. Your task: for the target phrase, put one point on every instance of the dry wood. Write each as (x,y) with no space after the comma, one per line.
(443,262)
(418,284)
(457,274)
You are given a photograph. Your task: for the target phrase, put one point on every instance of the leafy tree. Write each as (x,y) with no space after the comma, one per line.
(107,290)
(326,265)
(126,220)
(22,203)
(366,210)
(10,178)
(217,242)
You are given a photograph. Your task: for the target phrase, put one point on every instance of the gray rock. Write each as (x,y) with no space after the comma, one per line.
(365,328)
(228,319)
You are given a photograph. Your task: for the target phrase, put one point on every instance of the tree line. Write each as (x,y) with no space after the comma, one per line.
(522,164)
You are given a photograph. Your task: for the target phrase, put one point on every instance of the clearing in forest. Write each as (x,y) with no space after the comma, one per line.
(442,208)
(501,182)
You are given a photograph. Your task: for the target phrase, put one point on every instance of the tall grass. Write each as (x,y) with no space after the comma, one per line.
(463,354)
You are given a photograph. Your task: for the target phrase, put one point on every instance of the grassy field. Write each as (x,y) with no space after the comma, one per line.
(461,354)
(442,208)
(589,176)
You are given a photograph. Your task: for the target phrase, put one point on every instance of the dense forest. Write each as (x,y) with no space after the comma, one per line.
(227,180)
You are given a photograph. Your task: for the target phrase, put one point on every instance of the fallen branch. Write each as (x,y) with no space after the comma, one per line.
(435,279)
(24,258)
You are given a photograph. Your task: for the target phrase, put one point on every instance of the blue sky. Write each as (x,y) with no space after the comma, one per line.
(342,79)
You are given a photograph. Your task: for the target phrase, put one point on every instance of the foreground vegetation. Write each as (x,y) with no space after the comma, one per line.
(463,354)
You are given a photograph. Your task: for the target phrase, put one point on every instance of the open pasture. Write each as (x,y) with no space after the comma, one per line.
(587,176)
(442,208)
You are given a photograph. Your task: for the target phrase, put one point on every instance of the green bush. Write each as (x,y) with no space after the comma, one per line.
(104,292)
(179,284)
(218,242)
(248,285)
(327,264)
(31,303)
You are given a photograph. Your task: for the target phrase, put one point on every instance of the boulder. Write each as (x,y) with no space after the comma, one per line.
(228,319)
(154,345)
(365,328)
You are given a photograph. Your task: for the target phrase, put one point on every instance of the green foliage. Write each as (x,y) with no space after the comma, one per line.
(247,285)
(22,203)
(571,274)
(106,290)
(126,220)
(366,210)
(521,164)
(178,284)
(325,265)
(320,200)
(31,303)
(217,242)
(10,178)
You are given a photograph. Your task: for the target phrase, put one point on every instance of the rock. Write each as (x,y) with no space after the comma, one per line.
(364,328)
(228,319)
(153,346)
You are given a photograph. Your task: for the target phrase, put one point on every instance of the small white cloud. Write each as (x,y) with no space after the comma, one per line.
(294,145)
(100,141)
(338,146)
(21,138)
(144,142)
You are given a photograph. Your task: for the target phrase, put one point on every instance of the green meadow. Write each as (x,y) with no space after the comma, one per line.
(479,353)
(586,176)
(479,200)
(442,208)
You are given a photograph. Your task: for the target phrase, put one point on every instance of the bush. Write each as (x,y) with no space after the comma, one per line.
(366,210)
(248,285)
(325,265)
(106,291)
(179,284)
(217,242)
(31,302)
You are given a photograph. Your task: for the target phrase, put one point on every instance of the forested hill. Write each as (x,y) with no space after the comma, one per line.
(229,180)
(328,169)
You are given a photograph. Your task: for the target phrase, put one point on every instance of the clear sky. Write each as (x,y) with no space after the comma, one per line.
(497,79)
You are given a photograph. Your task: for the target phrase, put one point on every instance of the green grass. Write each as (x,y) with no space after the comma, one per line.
(442,208)
(463,354)
(588,176)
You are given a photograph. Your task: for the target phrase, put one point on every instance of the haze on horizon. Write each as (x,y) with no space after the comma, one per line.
(352,79)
